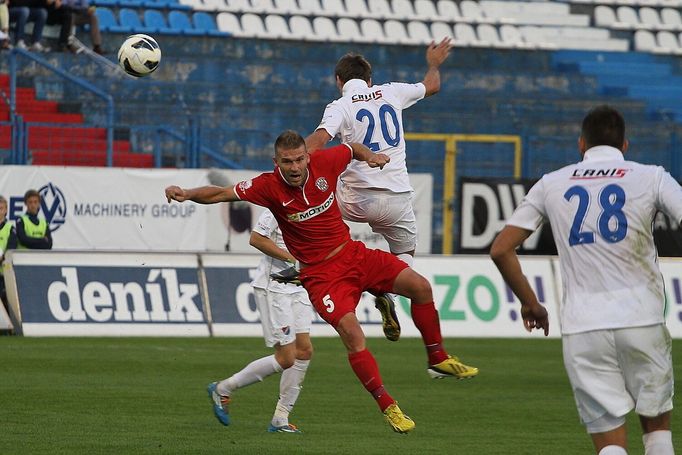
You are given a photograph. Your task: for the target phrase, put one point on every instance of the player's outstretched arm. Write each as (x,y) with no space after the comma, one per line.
(362,153)
(317,140)
(436,54)
(209,194)
(503,253)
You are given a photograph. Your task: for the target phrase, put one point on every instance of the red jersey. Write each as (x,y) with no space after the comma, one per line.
(308,216)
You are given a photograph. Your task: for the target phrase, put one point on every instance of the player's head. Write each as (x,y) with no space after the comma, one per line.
(3,208)
(352,66)
(291,157)
(32,202)
(603,125)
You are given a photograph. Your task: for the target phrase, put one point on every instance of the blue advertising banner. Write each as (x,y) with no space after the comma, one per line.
(132,295)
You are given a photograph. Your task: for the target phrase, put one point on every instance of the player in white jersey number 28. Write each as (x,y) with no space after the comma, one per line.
(616,347)
(372,115)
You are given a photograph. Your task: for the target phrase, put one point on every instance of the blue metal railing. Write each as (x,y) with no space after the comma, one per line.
(19,124)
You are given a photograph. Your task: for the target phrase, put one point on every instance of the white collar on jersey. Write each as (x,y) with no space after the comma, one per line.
(354,85)
(603,153)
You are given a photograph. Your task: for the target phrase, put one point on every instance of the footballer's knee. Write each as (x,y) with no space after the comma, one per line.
(304,350)
(414,286)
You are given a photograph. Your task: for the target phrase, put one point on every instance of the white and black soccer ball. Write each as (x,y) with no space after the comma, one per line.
(139,55)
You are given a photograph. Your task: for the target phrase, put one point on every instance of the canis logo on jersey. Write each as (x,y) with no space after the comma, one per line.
(583,174)
(322,184)
(375,95)
(312,212)
(245,185)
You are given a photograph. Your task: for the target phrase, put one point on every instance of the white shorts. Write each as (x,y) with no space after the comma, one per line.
(615,371)
(283,315)
(389,214)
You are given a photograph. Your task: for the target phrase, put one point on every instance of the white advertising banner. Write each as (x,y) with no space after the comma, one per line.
(125,209)
(184,294)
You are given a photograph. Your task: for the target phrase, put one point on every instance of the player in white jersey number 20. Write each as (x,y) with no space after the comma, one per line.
(617,349)
(373,115)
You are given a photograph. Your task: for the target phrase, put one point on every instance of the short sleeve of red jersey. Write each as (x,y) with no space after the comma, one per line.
(334,159)
(255,190)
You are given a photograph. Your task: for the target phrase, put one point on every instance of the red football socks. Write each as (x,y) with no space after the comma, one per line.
(367,371)
(426,319)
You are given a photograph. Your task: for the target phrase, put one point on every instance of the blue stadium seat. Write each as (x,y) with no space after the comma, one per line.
(156,23)
(180,22)
(129,19)
(107,20)
(204,21)
(104,2)
(129,3)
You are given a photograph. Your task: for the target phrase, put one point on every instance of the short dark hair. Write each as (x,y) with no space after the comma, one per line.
(288,140)
(603,125)
(353,66)
(31,193)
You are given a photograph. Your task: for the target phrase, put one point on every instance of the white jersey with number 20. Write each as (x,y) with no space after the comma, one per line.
(601,212)
(373,116)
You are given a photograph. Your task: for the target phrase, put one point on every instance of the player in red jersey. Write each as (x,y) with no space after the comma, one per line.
(335,270)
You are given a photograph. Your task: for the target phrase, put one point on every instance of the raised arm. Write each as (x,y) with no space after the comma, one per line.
(209,194)
(362,153)
(436,54)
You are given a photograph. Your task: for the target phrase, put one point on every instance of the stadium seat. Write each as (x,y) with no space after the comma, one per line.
(645,41)
(310,7)
(301,28)
(652,20)
(131,20)
(403,10)
(253,27)
(379,9)
(464,35)
(440,30)
(627,16)
(670,17)
(215,5)
(536,36)
(107,20)
(229,23)
(179,23)
(511,35)
(349,31)
(333,8)
(325,29)
(262,7)
(286,7)
(203,22)
(604,16)
(471,12)
(396,33)
(668,40)
(448,11)
(276,26)
(419,32)
(156,23)
(372,31)
(489,36)
(357,9)
(425,10)
(237,6)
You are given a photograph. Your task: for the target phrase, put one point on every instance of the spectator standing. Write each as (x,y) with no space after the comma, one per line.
(8,241)
(59,14)
(33,232)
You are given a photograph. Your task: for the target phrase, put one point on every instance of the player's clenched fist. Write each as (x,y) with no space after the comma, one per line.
(379,160)
(175,193)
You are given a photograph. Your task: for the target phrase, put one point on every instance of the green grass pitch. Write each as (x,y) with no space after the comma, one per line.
(147,396)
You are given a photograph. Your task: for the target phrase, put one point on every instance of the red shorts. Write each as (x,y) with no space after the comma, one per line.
(336,284)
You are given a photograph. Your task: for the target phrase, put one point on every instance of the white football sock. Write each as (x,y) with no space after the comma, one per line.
(253,372)
(658,443)
(613,450)
(289,389)
(406,258)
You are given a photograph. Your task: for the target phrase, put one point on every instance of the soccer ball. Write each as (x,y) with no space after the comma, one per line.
(139,55)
